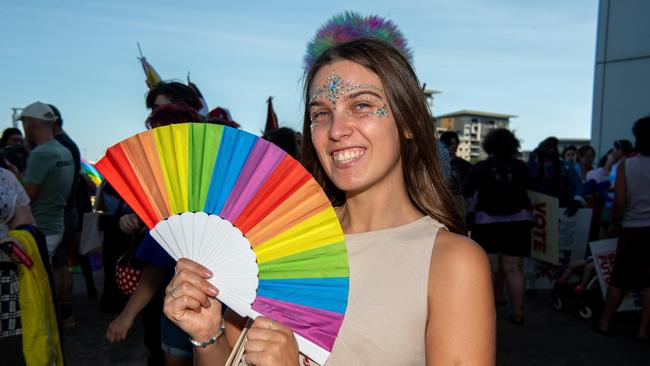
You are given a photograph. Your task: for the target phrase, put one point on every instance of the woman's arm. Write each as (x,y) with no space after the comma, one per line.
(620,194)
(22,216)
(461,326)
(150,280)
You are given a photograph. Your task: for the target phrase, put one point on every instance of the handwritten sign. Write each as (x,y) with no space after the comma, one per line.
(604,253)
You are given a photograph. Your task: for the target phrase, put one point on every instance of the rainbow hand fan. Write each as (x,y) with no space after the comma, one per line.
(250,213)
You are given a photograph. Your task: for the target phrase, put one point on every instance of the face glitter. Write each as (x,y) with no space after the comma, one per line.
(381,112)
(335,87)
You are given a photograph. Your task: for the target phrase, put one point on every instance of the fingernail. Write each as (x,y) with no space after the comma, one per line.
(207,274)
(213,290)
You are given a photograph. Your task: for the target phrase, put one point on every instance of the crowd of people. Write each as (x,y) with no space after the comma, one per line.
(371,143)
(500,216)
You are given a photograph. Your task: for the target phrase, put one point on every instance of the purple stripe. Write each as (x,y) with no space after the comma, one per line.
(261,163)
(318,326)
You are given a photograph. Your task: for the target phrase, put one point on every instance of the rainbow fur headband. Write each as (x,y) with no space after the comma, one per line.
(350,25)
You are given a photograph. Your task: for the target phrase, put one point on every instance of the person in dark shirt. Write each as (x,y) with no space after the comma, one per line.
(503,214)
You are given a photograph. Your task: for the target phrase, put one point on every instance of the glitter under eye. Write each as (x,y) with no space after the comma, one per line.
(381,112)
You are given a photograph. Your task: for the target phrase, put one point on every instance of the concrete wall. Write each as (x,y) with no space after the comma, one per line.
(622,73)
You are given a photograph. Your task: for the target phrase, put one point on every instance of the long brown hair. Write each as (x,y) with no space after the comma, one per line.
(424,180)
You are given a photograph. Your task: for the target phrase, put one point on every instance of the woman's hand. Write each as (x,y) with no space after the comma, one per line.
(270,343)
(130,224)
(190,301)
(119,328)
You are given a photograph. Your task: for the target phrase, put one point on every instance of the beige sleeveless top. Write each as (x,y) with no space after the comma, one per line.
(386,317)
(385,321)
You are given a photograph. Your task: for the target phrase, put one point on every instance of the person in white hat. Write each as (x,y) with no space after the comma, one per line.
(48,174)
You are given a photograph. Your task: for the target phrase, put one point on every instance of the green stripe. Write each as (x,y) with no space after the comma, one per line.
(324,262)
(205,139)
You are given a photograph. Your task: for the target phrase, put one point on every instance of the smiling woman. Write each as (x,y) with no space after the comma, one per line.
(369,142)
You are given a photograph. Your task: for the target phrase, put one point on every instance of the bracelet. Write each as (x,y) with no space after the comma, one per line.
(210,341)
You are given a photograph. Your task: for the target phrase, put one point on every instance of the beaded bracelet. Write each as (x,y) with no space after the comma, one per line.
(210,341)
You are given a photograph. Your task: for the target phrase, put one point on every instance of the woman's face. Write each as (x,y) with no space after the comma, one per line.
(15,139)
(617,153)
(570,155)
(160,101)
(588,158)
(353,131)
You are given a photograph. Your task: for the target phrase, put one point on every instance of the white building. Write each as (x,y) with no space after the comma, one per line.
(471,127)
(622,75)
(429,94)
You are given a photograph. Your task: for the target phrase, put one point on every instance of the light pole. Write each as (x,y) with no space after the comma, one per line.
(15,112)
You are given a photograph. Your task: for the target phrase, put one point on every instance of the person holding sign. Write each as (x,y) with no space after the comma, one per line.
(555,177)
(631,212)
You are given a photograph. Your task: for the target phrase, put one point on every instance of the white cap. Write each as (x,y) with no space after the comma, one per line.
(40,111)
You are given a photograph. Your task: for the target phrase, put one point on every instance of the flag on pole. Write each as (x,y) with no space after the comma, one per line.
(204,106)
(271,117)
(152,76)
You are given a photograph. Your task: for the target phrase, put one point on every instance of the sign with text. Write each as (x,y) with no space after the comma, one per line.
(544,237)
(573,236)
(604,253)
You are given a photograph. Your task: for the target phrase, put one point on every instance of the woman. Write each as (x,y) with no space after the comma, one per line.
(555,177)
(28,327)
(569,154)
(631,212)
(369,143)
(585,161)
(11,136)
(503,217)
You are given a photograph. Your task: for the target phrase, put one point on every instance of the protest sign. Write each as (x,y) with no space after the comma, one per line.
(556,240)
(544,237)
(604,253)
(573,236)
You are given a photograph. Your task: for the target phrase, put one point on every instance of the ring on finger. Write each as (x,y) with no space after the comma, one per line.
(173,292)
(271,324)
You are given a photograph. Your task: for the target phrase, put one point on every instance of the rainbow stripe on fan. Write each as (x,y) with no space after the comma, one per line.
(269,196)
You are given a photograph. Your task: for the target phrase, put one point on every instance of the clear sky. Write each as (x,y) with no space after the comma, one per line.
(533,59)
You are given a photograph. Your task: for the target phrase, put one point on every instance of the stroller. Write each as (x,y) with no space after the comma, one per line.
(585,292)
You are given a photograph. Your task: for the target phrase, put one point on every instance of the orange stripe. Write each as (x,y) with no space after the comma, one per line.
(308,200)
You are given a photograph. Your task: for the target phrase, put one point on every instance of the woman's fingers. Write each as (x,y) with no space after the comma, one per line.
(190,276)
(129,223)
(180,305)
(257,346)
(191,290)
(185,264)
(263,323)
(260,358)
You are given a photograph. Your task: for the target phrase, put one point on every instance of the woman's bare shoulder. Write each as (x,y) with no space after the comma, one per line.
(456,258)
(454,247)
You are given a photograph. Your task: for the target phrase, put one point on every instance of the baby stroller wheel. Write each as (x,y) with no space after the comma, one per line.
(558,304)
(585,312)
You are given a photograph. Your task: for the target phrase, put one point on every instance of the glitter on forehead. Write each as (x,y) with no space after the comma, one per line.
(335,87)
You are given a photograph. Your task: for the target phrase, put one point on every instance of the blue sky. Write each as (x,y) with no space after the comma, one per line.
(533,59)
